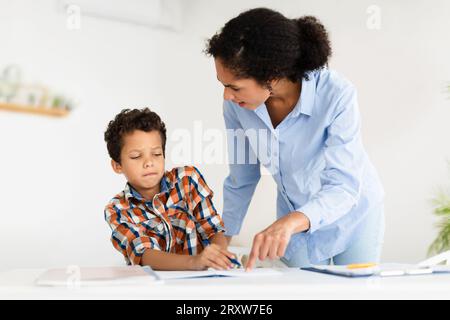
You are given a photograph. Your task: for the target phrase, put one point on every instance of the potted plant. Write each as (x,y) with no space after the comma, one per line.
(441,209)
(441,205)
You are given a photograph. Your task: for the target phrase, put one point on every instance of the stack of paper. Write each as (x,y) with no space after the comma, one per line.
(98,276)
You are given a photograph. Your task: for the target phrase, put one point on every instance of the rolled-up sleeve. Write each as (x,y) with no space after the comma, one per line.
(239,186)
(128,238)
(342,175)
(208,221)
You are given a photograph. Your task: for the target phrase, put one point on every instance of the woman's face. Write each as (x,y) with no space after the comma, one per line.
(247,93)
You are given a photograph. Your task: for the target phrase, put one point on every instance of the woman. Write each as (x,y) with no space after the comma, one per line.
(330,199)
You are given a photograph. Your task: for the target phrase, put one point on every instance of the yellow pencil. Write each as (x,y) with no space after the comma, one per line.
(361,265)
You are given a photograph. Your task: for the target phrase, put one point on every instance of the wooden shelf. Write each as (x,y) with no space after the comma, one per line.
(55,112)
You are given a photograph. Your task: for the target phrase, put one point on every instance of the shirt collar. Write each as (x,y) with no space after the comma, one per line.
(305,103)
(131,192)
(307,96)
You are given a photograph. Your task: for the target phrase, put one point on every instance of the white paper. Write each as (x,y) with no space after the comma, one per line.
(98,276)
(240,273)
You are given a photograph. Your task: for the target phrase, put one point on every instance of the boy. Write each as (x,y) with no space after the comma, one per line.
(162,219)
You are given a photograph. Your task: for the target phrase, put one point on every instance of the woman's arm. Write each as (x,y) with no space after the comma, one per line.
(244,175)
(341,179)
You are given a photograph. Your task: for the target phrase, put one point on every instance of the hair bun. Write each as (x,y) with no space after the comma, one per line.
(315,48)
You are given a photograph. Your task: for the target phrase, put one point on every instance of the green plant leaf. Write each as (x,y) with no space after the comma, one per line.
(441,209)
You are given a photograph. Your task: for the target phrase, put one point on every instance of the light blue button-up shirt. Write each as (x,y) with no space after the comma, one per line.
(316,158)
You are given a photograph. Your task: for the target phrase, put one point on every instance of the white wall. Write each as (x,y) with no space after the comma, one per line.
(55,174)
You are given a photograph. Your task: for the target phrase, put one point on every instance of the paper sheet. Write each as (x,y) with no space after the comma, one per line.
(98,276)
(241,273)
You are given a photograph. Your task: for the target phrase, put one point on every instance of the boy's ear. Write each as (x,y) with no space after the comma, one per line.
(116,166)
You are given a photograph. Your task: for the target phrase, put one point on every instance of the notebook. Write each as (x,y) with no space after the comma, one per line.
(75,276)
(240,273)
(342,270)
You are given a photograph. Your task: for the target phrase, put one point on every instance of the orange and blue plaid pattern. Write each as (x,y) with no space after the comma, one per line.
(180,219)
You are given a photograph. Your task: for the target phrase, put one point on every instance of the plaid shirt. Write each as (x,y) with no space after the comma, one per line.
(180,219)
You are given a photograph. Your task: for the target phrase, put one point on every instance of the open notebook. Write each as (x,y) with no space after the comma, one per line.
(241,273)
(74,276)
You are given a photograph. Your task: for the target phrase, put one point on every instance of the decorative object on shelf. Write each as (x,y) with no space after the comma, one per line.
(38,99)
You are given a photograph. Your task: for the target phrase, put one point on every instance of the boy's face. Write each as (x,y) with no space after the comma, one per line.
(142,160)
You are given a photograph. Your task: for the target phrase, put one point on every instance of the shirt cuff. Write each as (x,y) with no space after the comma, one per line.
(209,235)
(312,211)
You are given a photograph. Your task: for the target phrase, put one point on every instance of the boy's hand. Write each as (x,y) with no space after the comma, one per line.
(213,256)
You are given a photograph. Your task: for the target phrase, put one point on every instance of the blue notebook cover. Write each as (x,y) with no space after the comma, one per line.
(348,273)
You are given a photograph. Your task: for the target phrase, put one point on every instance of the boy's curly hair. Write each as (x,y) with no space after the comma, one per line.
(126,122)
(265,45)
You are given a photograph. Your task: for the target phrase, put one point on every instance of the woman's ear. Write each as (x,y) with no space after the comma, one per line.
(271,84)
(116,166)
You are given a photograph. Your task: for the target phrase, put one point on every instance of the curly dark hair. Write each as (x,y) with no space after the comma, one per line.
(265,45)
(126,122)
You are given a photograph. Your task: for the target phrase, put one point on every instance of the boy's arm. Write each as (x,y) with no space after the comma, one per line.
(220,239)
(160,260)
(128,238)
(209,223)
(212,256)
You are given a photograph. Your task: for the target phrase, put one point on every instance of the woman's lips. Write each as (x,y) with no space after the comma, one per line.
(241,103)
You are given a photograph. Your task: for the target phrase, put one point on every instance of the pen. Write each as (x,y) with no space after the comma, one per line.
(360,265)
(235,261)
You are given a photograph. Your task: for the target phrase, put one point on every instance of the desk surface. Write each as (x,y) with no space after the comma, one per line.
(292,284)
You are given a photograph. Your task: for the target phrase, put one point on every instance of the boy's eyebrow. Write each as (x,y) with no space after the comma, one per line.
(139,150)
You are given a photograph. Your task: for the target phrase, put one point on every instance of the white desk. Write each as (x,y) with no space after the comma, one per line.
(293,284)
